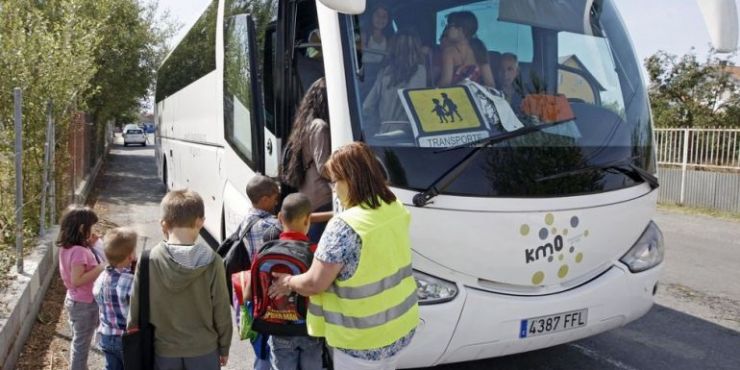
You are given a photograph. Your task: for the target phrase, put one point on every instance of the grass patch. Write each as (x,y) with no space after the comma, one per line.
(695,211)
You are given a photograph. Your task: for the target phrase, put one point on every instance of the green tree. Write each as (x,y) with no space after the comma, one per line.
(133,44)
(685,92)
(48,55)
(96,56)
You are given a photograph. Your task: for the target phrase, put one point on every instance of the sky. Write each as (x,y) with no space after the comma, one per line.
(674,26)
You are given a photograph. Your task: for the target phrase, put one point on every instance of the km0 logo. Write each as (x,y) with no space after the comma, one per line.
(543,251)
(552,246)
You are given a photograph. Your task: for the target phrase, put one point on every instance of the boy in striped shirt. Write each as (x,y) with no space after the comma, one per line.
(112,292)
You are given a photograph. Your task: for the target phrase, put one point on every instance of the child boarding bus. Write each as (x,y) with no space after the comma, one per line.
(517,133)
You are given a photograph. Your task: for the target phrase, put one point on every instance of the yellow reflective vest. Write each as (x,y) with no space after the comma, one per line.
(378,304)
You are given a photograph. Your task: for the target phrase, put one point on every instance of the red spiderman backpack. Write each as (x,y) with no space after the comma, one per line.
(284,315)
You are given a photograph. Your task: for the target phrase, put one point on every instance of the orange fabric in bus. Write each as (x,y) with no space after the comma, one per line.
(548,108)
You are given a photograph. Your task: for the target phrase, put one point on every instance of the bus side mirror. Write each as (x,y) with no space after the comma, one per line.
(345,6)
(722,24)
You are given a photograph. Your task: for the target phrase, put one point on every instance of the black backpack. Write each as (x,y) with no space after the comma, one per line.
(234,252)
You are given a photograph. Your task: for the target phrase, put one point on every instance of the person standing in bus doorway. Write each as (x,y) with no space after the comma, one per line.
(308,149)
(363,248)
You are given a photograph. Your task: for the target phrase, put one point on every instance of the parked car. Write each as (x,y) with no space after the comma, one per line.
(149,128)
(133,134)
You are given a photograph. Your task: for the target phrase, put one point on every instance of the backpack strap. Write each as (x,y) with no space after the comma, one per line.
(248,226)
(144,289)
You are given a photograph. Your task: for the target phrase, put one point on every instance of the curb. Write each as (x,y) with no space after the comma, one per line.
(25,295)
(85,187)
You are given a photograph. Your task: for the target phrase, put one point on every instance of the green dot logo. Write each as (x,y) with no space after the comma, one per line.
(524,230)
(538,277)
(563,271)
(579,257)
(549,219)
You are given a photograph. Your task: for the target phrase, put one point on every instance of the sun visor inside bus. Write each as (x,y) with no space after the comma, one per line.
(562,15)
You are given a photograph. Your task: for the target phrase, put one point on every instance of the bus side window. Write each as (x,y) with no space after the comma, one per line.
(269,78)
(239,115)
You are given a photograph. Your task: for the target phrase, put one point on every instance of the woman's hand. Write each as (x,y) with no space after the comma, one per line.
(280,285)
(317,279)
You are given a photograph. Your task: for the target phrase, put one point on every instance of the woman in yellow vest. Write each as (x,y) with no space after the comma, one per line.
(363,296)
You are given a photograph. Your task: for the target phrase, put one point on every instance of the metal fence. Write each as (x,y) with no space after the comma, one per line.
(699,167)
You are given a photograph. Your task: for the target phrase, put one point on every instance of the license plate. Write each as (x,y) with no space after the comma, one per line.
(553,323)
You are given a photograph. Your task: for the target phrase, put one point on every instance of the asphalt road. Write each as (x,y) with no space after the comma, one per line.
(694,325)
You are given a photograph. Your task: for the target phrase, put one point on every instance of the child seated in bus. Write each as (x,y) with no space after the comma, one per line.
(405,70)
(302,351)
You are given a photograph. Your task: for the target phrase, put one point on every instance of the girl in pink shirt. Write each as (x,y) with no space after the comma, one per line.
(79,266)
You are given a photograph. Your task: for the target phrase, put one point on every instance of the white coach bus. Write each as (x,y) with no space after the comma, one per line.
(531,202)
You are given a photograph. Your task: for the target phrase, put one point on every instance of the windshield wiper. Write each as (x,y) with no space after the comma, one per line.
(623,166)
(441,183)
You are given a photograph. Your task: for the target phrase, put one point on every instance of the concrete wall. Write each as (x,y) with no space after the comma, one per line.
(21,301)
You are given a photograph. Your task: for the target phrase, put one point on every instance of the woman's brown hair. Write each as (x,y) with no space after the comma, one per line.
(404,57)
(75,226)
(313,105)
(356,164)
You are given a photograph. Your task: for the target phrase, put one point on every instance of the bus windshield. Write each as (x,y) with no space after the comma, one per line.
(437,74)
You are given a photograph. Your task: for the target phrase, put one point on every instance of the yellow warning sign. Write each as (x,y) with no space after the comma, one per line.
(444,110)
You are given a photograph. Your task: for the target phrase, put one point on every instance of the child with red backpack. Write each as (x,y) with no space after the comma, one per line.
(284,318)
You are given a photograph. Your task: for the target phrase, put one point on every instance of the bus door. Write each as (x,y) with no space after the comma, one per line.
(270,81)
(243,113)
(300,58)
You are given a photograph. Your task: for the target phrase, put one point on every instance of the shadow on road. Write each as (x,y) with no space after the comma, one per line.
(662,339)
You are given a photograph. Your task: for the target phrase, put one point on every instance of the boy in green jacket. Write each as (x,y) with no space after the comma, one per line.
(190,306)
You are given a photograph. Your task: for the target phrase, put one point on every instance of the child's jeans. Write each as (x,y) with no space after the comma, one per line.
(287,353)
(83,318)
(112,347)
(206,362)
(345,361)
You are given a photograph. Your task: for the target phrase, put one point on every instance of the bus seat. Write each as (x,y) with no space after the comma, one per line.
(370,73)
(434,69)
(599,126)
(308,70)
(494,60)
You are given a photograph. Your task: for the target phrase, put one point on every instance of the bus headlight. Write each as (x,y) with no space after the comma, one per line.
(647,252)
(431,290)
